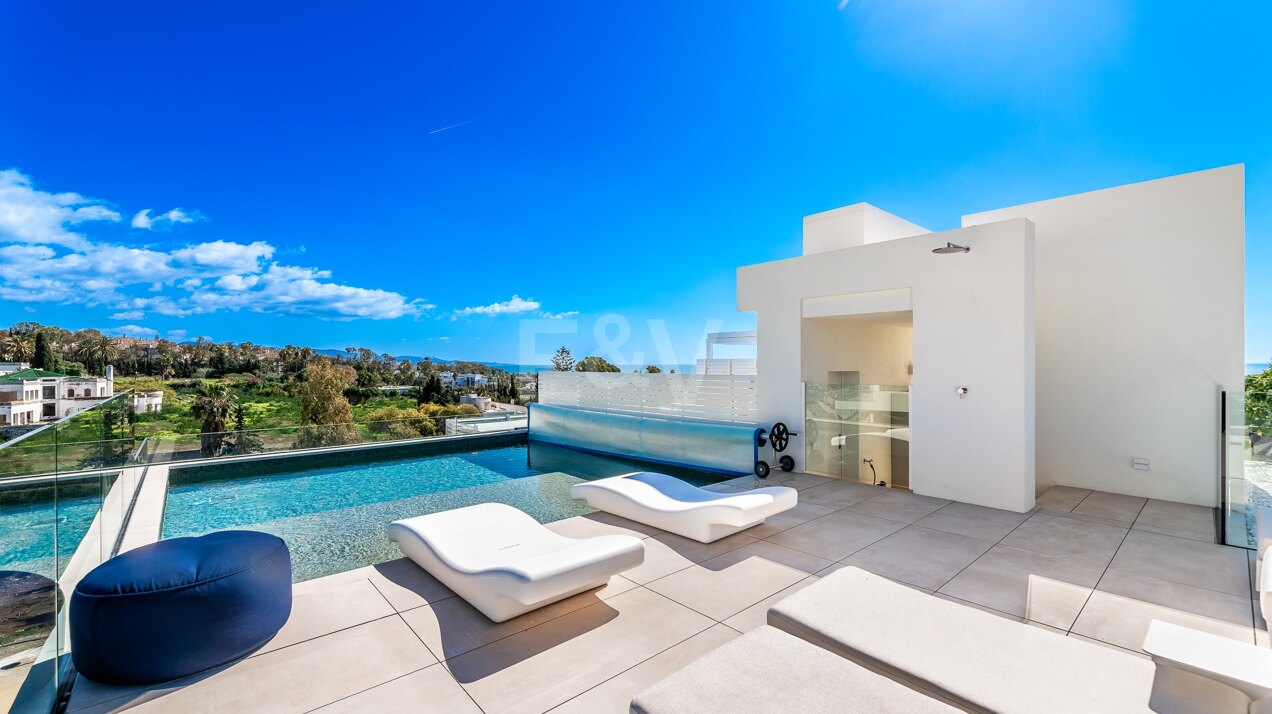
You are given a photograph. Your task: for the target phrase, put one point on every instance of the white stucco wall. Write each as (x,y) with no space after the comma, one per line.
(880,353)
(1140,322)
(854,225)
(973,326)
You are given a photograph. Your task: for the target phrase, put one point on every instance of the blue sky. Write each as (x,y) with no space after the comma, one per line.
(423,180)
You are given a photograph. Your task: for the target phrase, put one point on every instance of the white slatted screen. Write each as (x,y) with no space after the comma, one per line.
(707,397)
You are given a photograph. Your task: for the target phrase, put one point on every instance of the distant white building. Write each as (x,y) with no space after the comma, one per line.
(482,403)
(148,401)
(471,381)
(11,367)
(30,396)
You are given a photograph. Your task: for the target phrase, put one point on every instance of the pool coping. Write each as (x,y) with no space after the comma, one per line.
(398,443)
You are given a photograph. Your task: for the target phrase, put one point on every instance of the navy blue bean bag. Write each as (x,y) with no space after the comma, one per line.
(179,606)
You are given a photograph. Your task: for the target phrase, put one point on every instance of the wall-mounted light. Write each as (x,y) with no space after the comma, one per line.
(951,248)
(962,392)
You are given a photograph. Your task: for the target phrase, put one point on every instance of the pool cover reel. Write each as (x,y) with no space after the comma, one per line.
(710,446)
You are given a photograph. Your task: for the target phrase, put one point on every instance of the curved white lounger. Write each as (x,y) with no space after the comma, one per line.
(504,563)
(673,505)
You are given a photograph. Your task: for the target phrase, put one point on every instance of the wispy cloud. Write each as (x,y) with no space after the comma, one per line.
(33,217)
(513,305)
(177,335)
(42,260)
(560,315)
(143,220)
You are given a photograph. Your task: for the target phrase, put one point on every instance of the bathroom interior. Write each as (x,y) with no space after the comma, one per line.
(857,371)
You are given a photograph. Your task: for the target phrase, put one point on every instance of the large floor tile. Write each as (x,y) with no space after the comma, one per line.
(431,690)
(991,611)
(838,494)
(1061,499)
(836,536)
(1070,538)
(757,614)
(1177,519)
(1112,508)
(798,481)
(1203,565)
(979,522)
(405,585)
(802,513)
(320,609)
(294,679)
(1236,609)
(537,669)
(1027,584)
(725,585)
(614,696)
(919,556)
(897,505)
(666,553)
(452,627)
(1124,621)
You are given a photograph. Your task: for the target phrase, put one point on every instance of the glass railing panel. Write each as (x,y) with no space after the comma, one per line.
(164,448)
(63,499)
(1247,457)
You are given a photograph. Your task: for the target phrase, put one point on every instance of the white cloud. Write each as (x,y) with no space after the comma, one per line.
(29,215)
(134,331)
(511,306)
(560,315)
(41,260)
(143,220)
(177,335)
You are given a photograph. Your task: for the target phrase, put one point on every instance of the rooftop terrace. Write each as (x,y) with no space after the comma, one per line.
(1083,564)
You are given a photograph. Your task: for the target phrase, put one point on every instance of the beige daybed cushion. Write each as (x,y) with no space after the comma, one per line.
(767,671)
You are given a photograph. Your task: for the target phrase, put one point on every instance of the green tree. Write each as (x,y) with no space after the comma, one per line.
(595,363)
(563,361)
(45,357)
(653,369)
(17,346)
(1258,408)
(97,351)
(213,405)
(244,441)
(325,415)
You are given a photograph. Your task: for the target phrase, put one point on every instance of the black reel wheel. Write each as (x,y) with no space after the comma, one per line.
(761,469)
(780,437)
(787,463)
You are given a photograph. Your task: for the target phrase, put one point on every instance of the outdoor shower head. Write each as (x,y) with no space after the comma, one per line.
(951,248)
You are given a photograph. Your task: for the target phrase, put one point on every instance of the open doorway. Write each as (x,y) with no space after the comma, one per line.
(857,371)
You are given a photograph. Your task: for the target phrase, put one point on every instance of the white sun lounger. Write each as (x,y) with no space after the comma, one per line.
(668,503)
(504,563)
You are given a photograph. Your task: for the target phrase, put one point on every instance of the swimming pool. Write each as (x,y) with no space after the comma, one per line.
(333,509)
(38,533)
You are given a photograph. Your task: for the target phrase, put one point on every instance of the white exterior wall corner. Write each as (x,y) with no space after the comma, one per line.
(1140,323)
(973,327)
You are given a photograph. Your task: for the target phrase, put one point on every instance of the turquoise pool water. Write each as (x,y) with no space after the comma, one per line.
(334,516)
(38,535)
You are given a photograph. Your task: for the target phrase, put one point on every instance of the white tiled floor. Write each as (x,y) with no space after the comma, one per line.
(390,638)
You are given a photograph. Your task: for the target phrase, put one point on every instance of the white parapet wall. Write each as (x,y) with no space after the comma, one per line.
(703,397)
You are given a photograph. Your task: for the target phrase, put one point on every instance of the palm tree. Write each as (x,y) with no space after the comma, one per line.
(213,404)
(97,351)
(18,347)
